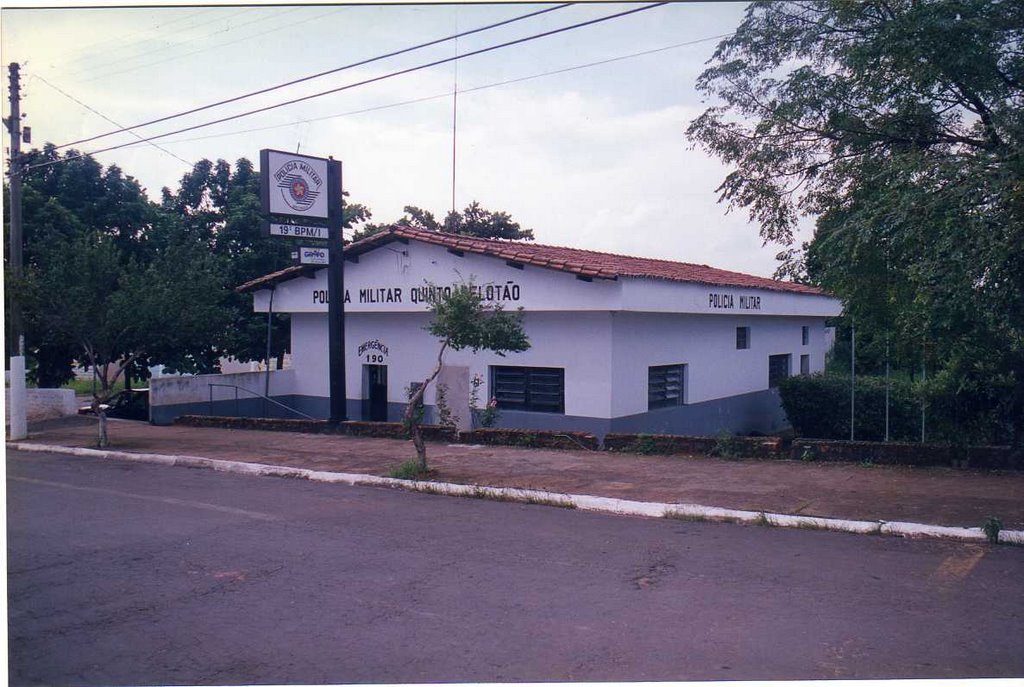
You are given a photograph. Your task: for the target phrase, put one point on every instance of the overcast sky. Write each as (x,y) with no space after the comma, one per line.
(593,158)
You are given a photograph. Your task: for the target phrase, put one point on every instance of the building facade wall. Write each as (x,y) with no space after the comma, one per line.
(605,335)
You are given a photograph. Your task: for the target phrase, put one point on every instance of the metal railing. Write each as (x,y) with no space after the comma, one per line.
(254,393)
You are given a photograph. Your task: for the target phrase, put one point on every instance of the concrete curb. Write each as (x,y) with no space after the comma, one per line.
(599,504)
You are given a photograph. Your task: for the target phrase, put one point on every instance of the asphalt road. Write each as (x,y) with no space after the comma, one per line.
(122,573)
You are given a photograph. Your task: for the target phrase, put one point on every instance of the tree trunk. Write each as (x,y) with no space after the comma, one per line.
(411,418)
(421,448)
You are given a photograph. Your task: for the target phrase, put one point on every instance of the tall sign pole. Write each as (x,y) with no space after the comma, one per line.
(302,198)
(19,425)
(336,296)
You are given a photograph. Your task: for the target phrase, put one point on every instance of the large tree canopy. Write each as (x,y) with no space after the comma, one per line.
(61,204)
(473,221)
(220,205)
(899,126)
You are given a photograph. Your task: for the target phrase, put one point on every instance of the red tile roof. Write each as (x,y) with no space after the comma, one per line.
(585,263)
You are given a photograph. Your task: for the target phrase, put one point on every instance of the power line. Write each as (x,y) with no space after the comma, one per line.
(461,91)
(314,76)
(100,114)
(365,81)
(193,40)
(85,53)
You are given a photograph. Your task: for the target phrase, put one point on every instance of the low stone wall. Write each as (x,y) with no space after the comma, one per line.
(906,453)
(396,430)
(531,438)
(45,404)
(671,444)
(758,448)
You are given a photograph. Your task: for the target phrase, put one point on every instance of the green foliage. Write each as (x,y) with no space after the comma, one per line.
(410,469)
(898,126)
(83,387)
(818,406)
(486,416)
(63,203)
(726,446)
(644,444)
(445,416)
(460,319)
(473,221)
(992,527)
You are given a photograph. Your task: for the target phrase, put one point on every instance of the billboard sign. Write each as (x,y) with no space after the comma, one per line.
(294,185)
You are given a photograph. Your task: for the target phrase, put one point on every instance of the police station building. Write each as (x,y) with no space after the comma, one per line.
(618,343)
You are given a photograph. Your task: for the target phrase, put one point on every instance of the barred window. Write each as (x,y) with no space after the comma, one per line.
(805,335)
(538,389)
(742,337)
(778,369)
(665,386)
(805,364)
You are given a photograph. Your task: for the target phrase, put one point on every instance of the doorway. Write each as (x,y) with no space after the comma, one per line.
(375,405)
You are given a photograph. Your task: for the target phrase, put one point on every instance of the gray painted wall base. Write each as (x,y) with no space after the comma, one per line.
(759,412)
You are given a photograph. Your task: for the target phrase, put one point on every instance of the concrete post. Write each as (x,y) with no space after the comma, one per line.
(18,409)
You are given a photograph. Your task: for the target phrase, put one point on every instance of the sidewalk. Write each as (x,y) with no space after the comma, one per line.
(934,496)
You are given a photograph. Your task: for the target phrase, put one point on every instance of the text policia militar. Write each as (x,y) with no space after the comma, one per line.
(727,301)
(495,293)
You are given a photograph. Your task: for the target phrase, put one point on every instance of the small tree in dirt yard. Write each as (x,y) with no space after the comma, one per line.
(462,320)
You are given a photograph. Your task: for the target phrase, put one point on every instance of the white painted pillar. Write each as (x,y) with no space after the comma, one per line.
(18,409)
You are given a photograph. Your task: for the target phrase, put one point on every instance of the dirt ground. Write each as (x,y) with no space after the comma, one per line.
(940,496)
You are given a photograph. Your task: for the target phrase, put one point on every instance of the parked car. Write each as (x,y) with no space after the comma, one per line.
(128,404)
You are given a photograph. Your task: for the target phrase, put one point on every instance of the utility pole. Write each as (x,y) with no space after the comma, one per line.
(19,426)
(853,376)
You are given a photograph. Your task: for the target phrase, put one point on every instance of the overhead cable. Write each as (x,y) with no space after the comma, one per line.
(439,96)
(117,63)
(364,82)
(100,114)
(315,76)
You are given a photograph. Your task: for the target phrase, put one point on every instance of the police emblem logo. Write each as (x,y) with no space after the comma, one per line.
(299,184)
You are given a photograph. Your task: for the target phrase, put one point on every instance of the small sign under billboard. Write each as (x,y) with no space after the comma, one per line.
(312,256)
(294,185)
(297,231)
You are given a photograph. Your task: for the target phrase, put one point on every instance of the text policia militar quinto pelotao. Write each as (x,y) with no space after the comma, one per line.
(509,292)
(494,293)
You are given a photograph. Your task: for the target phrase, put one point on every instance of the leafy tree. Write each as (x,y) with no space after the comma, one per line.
(62,203)
(899,126)
(220,205)
(460,320)
(117,310)
(473,221)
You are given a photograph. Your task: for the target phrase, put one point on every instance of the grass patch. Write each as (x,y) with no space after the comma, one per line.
(410,469)
(83,387)
(992,527)
(481,493)
(687,517)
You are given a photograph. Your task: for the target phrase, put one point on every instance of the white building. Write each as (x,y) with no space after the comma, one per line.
(618,344)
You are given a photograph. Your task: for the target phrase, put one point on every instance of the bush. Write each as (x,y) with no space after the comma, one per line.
(818,406)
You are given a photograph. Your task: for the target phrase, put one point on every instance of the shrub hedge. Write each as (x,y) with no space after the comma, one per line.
(818,406)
